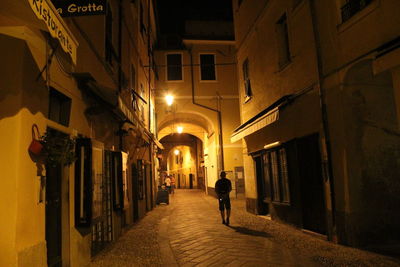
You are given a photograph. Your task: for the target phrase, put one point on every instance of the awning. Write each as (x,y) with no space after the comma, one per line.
(261,120)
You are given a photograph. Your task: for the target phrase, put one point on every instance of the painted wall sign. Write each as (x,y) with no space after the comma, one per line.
(69,8)
(45,11)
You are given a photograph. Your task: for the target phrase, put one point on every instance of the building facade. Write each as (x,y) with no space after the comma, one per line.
(200,73)
(85,82)
(319,110)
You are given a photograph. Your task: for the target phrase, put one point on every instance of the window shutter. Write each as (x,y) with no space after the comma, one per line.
(83,183)
(118,193)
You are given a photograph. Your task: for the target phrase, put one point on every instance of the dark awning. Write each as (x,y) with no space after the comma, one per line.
(262,119)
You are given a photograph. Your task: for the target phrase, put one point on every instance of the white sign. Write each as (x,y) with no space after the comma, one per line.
(45,11)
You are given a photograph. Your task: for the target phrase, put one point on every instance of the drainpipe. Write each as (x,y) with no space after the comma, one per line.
(221,142)
(121,139)
(149,55)
(327,161)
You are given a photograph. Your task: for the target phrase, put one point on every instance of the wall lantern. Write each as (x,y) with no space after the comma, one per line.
(169,99)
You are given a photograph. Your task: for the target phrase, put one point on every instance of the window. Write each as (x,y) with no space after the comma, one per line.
(207,67)
(117,180)
(174,67)
(276,177)
(110,53)
(351,7)
(141,106)
(246,79)
(59,107)
(283,41)
(97,182)
(141,178)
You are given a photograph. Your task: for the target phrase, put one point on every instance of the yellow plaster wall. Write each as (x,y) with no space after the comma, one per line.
(30,227)
(20,106)
(211,161)
(268,80)
(8,188)
(249,175)
(206,93)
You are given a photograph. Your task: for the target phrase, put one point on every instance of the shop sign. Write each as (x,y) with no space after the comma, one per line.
(70,8)
(45,11)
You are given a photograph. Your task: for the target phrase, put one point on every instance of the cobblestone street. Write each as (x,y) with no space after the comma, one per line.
(188,232)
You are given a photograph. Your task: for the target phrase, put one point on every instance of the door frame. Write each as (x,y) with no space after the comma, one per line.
(64,210)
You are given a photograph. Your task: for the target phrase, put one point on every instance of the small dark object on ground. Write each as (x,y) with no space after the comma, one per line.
(162,196)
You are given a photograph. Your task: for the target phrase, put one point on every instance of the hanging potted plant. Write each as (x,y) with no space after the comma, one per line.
(58,148)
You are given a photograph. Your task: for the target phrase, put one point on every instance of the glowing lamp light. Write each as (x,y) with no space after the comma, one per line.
(176,152)
(169,99)
(179,129)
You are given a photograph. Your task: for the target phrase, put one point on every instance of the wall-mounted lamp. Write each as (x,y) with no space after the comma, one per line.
(179,129)
(169,99)
(176,152)
(272,145)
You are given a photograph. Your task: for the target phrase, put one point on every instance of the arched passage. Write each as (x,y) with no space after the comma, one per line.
(197,132)
(183,158)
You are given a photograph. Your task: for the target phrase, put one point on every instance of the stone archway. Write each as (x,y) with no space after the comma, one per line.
(186,166)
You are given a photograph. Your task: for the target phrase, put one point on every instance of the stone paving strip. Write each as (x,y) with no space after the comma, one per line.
(189,232)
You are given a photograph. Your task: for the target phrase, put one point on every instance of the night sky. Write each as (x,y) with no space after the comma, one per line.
(173,13)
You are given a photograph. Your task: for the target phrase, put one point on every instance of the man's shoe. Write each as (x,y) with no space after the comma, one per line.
(223,221)
(227,222)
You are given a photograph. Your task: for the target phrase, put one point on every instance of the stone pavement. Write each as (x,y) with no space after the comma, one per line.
(197,237)
(188,232)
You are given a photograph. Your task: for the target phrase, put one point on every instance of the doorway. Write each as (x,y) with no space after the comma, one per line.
(262,207)
(191,178)
(53,211)
(135,191)
(102,233)
(312,190)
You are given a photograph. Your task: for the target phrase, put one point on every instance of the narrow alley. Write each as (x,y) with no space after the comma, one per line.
(188,232)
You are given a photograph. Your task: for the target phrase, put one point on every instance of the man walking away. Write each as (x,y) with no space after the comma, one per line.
(223,187)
